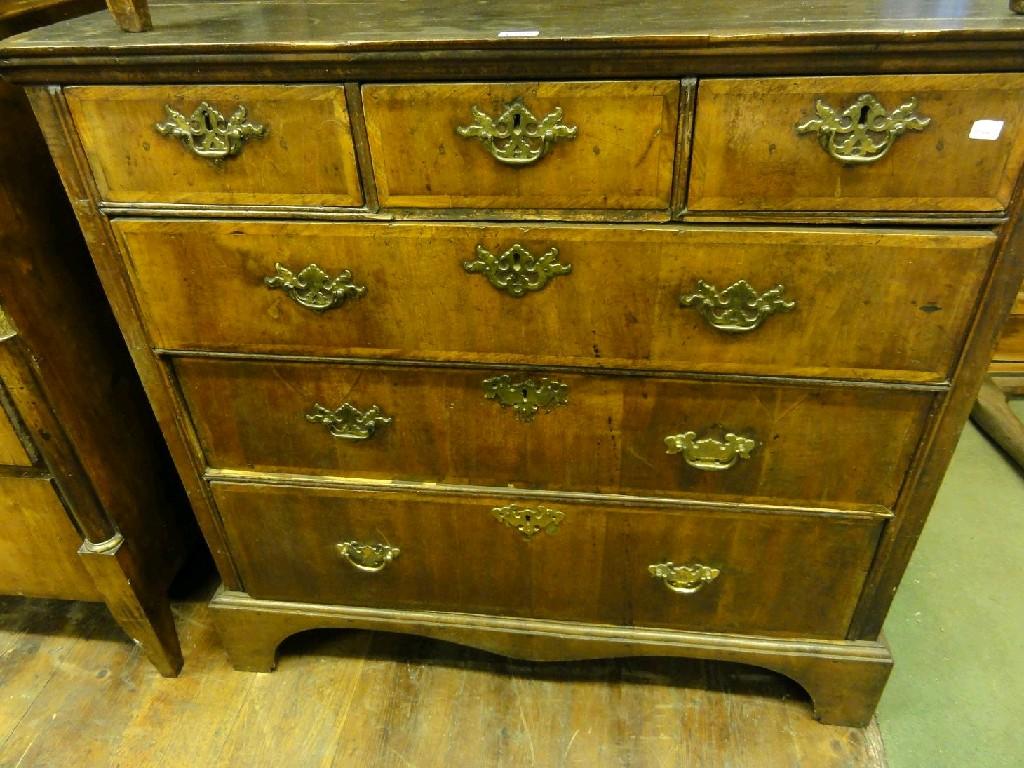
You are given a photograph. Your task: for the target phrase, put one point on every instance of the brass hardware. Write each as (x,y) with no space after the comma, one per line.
(348,422)
(517,271)
(7,329)
(315,289)
(737,309)
(710,453)
(208,133)
(105,547)
(516,137)
(684,579)
(529,521)
(526,396)
(367,556)
(863,132)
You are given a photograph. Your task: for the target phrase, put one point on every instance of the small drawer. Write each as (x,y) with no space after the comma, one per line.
(39,547)
(860,304)
(12,450)
(836,447)
(713,571)
(940,143)
(601,145)
(288,145)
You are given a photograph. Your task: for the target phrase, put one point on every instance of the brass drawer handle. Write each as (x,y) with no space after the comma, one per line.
(516,137)
(525,396)
(368,556)
(863,132)
(313,288)
(684,579)
(517,271)
(529,521)
(348,422)
(710,453)
(737,309)
(208,133)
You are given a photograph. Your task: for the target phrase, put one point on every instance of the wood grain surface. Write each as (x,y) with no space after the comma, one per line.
(39,548)
(817,446)
(780,574)
(622,157)
(76,686)
(870,304)
(747,154)
(465,24)
(306,156)
(12,450)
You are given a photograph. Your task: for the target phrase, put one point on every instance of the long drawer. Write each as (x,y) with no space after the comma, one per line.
(219,144)
(767,301)
(715,571)
(836,447)
(947,143)
(601,145)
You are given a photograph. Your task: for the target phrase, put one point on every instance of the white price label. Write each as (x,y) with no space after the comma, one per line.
(986,130)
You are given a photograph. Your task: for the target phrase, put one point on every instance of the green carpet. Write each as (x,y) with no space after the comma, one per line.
(956,695)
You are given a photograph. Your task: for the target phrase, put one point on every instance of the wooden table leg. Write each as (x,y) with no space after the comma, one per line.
(131,15)
(992,414)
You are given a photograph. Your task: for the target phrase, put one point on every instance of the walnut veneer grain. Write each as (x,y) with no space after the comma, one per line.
(781,575)
(873,304)
(132,161)
(856,394)
(751,124)
(847,448)
(623,156)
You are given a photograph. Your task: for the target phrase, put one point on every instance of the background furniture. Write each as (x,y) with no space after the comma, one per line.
(641,333)
(91,508)
(1006,379)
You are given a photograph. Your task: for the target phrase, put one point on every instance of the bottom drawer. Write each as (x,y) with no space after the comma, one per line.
(39,546)
(763,573)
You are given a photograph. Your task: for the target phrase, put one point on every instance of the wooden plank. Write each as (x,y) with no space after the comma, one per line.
(37,638)
(352,698)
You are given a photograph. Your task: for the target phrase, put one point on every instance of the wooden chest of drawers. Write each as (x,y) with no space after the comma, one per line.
(89,504)
(558,335)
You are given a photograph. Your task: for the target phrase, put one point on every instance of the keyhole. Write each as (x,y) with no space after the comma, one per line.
(526,393)
(207,121)
(517,121)
(863,115)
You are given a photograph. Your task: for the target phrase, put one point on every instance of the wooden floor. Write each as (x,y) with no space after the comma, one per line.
(74,692)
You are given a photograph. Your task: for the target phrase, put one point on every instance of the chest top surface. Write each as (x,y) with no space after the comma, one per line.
(714,36)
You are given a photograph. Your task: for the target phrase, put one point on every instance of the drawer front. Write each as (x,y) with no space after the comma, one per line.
(776,574)
(39,547)
(810,447)
(852,304)
(304,156)
(963,153)
(12,451)
(1011,343)
(612,144)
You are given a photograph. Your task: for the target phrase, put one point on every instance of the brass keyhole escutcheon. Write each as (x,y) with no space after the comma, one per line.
(516,136)
(865,131)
